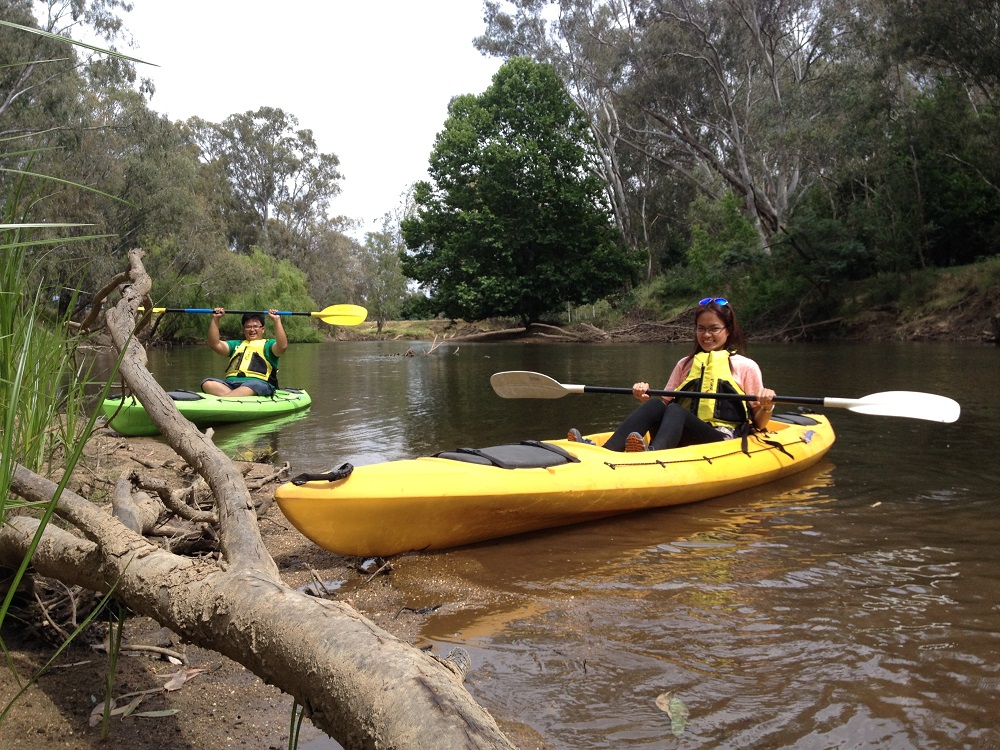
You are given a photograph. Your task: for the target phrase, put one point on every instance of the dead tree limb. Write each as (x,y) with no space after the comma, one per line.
(360,684)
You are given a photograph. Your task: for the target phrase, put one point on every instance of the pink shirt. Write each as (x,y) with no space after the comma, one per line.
(745,370)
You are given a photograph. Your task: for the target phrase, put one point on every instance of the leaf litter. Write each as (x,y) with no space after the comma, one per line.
(674,708)
(175,681)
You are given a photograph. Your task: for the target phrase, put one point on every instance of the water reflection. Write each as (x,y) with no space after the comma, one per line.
(768,644)
(656,550)
(254,438)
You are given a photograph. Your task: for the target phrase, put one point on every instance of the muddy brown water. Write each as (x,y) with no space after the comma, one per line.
(852,606)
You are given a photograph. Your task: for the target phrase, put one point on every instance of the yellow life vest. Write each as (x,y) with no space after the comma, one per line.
(711,373)
(250,361)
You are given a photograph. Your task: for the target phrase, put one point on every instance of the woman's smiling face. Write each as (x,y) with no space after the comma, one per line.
(711,331)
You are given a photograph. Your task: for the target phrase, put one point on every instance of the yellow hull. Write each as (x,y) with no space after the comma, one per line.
(436,503)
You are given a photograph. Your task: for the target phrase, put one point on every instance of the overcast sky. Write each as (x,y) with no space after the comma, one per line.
(371,78)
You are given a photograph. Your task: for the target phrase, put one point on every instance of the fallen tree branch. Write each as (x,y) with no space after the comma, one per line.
(256,484)
(172,499)
(360,684)
(139,512)
(97,303)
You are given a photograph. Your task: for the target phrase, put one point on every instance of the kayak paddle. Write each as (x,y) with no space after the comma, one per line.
(934,408)
(340,315)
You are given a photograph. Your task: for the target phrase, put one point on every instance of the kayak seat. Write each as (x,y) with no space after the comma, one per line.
(528,454)
(794,419)
(183,395)
(179,395)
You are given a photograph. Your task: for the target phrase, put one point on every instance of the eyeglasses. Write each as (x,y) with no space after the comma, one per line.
(252,326)
(714,330)
(716,300)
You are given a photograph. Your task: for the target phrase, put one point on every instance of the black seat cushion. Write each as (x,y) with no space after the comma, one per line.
(528,454)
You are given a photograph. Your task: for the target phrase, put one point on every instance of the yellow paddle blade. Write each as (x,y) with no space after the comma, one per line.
(342,315)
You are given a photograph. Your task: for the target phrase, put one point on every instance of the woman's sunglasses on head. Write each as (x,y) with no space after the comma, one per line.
(716,300)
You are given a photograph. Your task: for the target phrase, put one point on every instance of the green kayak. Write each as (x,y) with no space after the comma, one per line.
(128,417)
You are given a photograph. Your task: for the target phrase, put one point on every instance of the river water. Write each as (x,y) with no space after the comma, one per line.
(852,606)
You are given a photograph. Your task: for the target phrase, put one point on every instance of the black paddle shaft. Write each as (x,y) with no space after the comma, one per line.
(805,400)
(228,312)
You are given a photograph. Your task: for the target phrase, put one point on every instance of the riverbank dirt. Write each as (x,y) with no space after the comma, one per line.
(968,318)
(214,702)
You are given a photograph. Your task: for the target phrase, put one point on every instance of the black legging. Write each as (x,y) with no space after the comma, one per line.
(669,425)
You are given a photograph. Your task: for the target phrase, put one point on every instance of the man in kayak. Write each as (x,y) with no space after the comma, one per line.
(253,363)
(717,364)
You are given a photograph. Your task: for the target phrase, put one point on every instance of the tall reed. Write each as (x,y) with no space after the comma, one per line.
(46,412)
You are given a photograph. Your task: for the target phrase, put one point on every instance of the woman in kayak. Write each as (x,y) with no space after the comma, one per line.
(253,363)
(717,364)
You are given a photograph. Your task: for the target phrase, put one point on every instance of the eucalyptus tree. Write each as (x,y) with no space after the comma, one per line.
(384,281)
(958,38)
(38,81)
(726,94)
(514,221)
(573,38)
(72,110)
(146,188)
(276,174)
(331,262)
(913,179)
(39,72)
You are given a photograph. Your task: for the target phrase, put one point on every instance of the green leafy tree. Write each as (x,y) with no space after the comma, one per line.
(723,243)
(514,221)
(927,196)
(147,183)
(40,74)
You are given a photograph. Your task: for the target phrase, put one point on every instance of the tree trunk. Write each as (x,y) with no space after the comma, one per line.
(358,683)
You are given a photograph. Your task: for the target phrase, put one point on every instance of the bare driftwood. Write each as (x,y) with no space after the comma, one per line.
(138,511)
(535,329)
(173,499)
(281,471)
(360,684)
(98,302)
(595,332)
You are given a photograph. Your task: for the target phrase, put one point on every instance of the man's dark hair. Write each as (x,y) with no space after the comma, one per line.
(247,317)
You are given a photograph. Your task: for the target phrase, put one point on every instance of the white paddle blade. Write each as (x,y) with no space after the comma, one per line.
(912,404)
(521,384)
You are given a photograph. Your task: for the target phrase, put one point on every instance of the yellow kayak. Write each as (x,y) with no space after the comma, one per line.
(468,495)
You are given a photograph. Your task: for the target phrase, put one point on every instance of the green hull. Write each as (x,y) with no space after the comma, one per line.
(128,417)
